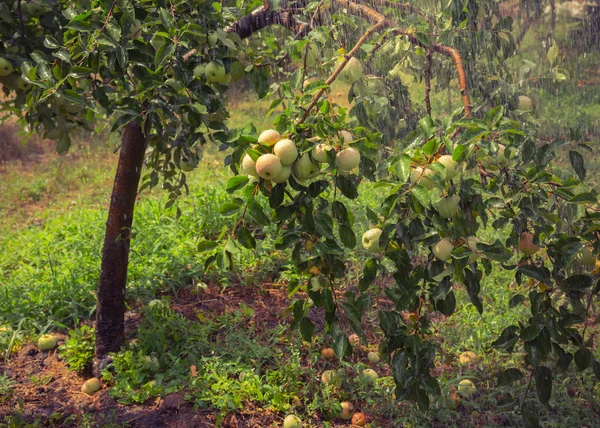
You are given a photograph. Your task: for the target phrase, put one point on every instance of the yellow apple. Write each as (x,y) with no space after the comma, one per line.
(268,166)
(286,151)
(347,159)
(442,249)
(91,386)
(270,137)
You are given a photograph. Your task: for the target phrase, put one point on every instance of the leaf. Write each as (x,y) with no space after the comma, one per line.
(235,183)
(583,358)
(509,376)
(229,208)
(340,213)
(422,194)
(543,383)
(306,329)
(402,168)
(167,20)
(164,54)
(516,300)
(584,198)
(577,163)
(347,235)
(128,10)
(346,186)
(256,212)
(205,245)
(369,275)
(245,237)
(552,53)
(540,273)
(51,43)
(578,282)
(507,339)
(530,415)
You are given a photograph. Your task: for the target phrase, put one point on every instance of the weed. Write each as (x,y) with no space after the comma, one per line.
(78,349)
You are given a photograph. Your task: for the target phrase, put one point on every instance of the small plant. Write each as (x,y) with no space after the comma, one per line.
(6,387)
(78,350)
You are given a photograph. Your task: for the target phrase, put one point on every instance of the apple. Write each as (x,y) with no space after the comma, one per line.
(359,419)
(472,244)
(347,410)
(268,166)
(448,207)
(347,136)
(212,39)
(373,357)
(91,386)
(199,71)
(352,71)
(451,166)
(526,244)
(270,137)
(6,67)
(370,374)
(225,80)
(214,71)
(419,176)
(466,388)
(587,256)
(23,85)
(442,249)
(304,168)
(248,166)
(525,103)
(319,152)
(467,357)
(454,400)
(347,159)
(286,151)
(36,9)
(370,240)
(330,377)
(283,175)
(12,49)
(47,342)
(328,353)
(354,339)
(292,421)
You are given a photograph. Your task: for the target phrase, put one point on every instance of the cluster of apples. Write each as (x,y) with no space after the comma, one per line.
(284,159)
(34,8)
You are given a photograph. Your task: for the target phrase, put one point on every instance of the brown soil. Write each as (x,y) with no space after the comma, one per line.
(12,148)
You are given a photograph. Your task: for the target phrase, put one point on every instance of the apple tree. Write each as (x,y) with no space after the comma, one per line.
(158,71)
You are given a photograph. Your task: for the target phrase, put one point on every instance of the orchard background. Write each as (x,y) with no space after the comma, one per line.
(322,213)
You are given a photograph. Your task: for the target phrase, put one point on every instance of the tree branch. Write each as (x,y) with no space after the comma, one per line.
(428,81)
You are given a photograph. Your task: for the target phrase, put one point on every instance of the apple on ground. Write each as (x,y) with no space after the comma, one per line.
(370,240)
(292,421)
(373,357)
(286,151)
(442,249)
(467,357)
(330,377)
(347,410)
(248,166)
(466,388)
(91,386)
(268,166)
(370,374)
(347,159)
(354,339)
(47,342)
(328,353)
(270,137)
(359,419)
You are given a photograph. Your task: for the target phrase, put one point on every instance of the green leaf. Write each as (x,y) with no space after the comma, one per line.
(507,339)
(256,212)
(245,237)
(128,10)
(552,53)
(340,213)
(543,383)
(229,208)
(346,186)
(541,273)
(51,43)
(578,282)
(402,168)
(347,235)
(167,20)
(509,376)
(583,358)
(369,275)
(422,194)
(584,198)
(235,183)
(577,163)
(530,415)
(307,329)
(205,245)
(164,54)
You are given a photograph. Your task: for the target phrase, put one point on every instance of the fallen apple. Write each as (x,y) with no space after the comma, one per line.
(467,357)
(354,339)
(373,357)
(359,419)
(328,353)
(292,421)
(370,374)
(47,342)
(347,410)
(91,386)
(268,166)
(466,388)
(330,377)
(286,151)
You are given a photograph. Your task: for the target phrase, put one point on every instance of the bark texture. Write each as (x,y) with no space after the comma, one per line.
(110,310)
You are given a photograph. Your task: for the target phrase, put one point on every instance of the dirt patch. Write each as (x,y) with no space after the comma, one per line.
(13,148)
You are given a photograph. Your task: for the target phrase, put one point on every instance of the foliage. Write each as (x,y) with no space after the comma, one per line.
(78,349)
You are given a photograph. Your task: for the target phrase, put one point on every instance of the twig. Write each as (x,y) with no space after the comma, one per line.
(108,16)
(428,81)
(21,18)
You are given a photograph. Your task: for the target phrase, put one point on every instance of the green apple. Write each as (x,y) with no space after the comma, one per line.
(526,244)
(47,342)
(330,377)
(269,137)
(587,256)
(319,152)
(347,410)
(226,80)
(91,386)
(67,106)
(23,85)
(6,67)
(304,168)
(286,151)
(472,244)
(373,357)
(248,166)
(347,159)
(370,374)
(292,421)
(442,249)
(212,39)
(283,175)
(448,207)
(214,71)
(501,159)
(420,176)
(525,103)
(466,388)
(370,240)
(347,136)
(268,166)
(450,165)
(199,71)
(155,303)
(352,71)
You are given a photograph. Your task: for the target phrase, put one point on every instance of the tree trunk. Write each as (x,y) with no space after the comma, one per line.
(110,309)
